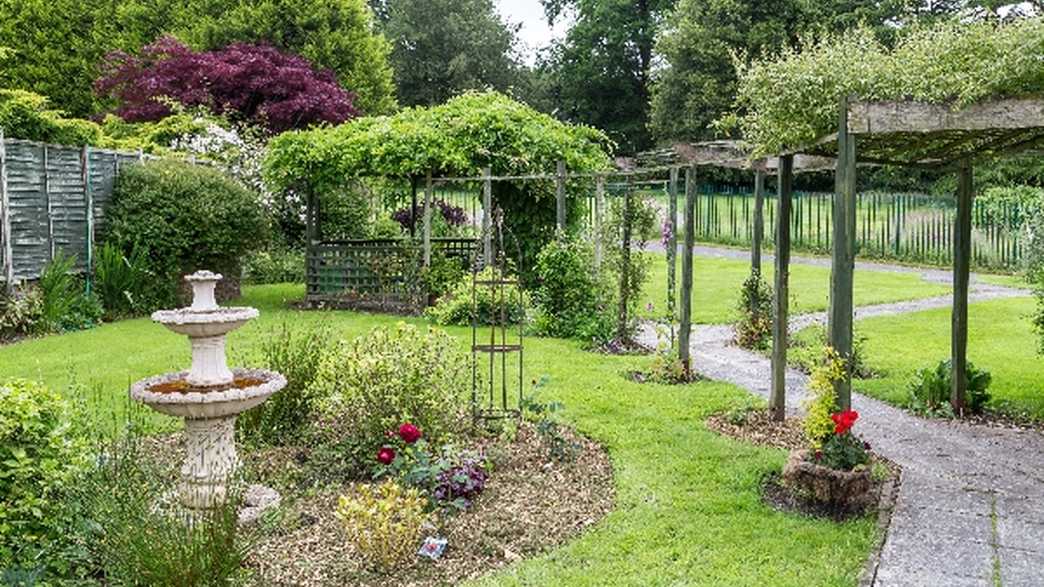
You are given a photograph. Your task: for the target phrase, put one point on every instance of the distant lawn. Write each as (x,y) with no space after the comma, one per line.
(1000,339)
(688,509)
(717,282)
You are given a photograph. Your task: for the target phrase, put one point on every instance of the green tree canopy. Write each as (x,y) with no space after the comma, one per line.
(56,46)
(441,48)
(699,83)
(601,70)
(792,99)
(340,35)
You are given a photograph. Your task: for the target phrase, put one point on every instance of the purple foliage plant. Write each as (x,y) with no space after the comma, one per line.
(256,83)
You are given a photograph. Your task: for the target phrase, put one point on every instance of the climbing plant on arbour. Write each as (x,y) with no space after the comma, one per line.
(461,137)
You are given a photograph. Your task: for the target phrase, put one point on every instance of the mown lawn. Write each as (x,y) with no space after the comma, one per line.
(1000,339)
(717,283)
(688,509)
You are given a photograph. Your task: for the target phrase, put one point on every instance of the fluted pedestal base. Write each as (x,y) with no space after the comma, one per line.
(210,461)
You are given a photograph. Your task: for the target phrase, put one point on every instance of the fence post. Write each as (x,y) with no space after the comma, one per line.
(785,187)
(560,197)
(47,202)
(599,210)
(685,328)
(759,221)
(961,267)
(5,217)
(427,220)
(487,217)
(88,199)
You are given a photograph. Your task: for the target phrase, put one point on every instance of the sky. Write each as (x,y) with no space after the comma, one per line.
(535,32)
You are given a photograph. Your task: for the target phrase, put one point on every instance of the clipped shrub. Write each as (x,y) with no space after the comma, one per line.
(188,217)
(296,352)
(821,402)
(754,328)
(274,266)
(383,522)
(931,387)
(571,301)
(457,307)
(40,459)
(121,280)
(394,374)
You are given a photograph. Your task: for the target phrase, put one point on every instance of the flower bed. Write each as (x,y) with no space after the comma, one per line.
(528,505)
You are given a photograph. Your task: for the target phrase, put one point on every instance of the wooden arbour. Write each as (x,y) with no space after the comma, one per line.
(917,134)
(737,155)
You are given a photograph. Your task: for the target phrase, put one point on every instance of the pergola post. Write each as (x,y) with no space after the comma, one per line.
(487,217)
(785,186)
(672,242)
(961,271)
(842,265)
(427,219)
(625,274)
(685,328)
(560,197)
(599,210)
(413,206)
(759,221)
(311,241)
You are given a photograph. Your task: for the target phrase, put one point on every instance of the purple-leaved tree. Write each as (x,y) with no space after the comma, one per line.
(256,83)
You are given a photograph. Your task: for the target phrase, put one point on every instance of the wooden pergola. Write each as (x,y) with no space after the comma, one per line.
(915,134)
(737,155)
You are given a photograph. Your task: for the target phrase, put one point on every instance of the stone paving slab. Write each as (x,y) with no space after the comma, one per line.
(1020,568)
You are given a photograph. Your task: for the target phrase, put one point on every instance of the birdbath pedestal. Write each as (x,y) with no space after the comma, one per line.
(209,396)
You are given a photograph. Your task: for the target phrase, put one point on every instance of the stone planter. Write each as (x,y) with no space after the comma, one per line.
(842,489)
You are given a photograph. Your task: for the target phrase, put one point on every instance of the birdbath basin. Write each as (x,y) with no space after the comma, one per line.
(209,395)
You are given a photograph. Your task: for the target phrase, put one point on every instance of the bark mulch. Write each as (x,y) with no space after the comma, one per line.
(530,505)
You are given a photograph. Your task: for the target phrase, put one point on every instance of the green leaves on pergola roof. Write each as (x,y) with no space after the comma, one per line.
(792,99)
(460,137)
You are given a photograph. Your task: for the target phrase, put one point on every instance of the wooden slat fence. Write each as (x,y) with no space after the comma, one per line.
(52,198)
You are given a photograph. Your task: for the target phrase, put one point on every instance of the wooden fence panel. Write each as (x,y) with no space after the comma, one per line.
(49,196)
(30,242)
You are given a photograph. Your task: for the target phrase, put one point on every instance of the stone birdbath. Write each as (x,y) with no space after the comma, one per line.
(208,397)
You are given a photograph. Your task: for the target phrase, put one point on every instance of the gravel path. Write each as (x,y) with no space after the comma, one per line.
(970,509)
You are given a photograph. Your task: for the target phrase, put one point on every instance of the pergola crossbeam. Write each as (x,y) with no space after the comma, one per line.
(884,117)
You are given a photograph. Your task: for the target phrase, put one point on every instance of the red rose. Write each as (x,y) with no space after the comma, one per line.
(843,421)
(819,455)
(386,455)
(409,433)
